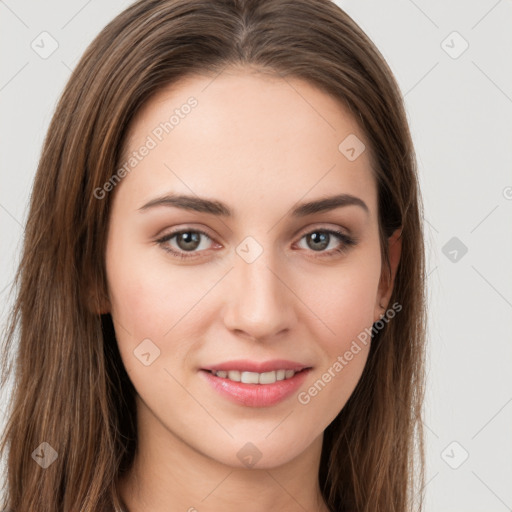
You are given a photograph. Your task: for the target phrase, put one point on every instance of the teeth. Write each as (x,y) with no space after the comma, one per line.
(234,375)
(255,378)
(250,378)
(268,377)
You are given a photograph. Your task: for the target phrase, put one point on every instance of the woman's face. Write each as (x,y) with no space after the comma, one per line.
(263,286)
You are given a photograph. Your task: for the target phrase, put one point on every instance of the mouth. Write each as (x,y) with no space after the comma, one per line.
(256,384)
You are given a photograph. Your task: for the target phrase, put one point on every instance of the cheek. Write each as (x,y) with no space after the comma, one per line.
(149,300)
(344,299)
(344,302)
(150,311)
(152,300)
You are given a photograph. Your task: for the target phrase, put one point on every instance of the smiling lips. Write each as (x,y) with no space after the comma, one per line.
(256,384)
(251,372)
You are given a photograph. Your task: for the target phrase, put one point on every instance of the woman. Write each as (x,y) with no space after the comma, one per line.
(221,297)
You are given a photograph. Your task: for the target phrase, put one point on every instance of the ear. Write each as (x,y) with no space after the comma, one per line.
(387,279)
(97,302)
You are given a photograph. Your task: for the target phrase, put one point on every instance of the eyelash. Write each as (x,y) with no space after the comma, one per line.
(347,242)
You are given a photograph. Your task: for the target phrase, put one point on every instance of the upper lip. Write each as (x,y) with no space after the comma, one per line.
(257,367)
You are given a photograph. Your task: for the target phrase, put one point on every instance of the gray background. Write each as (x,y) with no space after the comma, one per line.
(459,105)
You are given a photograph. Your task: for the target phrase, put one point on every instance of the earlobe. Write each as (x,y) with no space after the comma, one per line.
(97,304)
(387,279)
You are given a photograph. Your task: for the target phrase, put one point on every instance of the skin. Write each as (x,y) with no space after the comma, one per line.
(260,144)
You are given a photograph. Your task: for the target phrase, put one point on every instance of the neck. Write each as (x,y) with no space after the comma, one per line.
(168,474)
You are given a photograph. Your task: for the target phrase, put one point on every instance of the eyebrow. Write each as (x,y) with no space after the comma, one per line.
(202,205)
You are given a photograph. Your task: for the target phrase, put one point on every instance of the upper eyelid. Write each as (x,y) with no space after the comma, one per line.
(303,231)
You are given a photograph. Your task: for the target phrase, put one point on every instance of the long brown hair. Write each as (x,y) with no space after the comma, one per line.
(70,387)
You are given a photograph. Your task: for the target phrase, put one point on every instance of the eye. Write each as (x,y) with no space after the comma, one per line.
(186,240)
(186,243)
(320,239)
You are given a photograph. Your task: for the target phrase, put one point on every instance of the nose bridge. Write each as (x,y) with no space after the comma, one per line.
(260,304)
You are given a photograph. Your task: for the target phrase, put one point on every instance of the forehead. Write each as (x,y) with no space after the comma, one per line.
(260,136)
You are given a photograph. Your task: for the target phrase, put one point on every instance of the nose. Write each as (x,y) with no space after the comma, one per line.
(260,303)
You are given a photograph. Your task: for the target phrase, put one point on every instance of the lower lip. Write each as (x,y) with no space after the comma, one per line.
(256,395)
